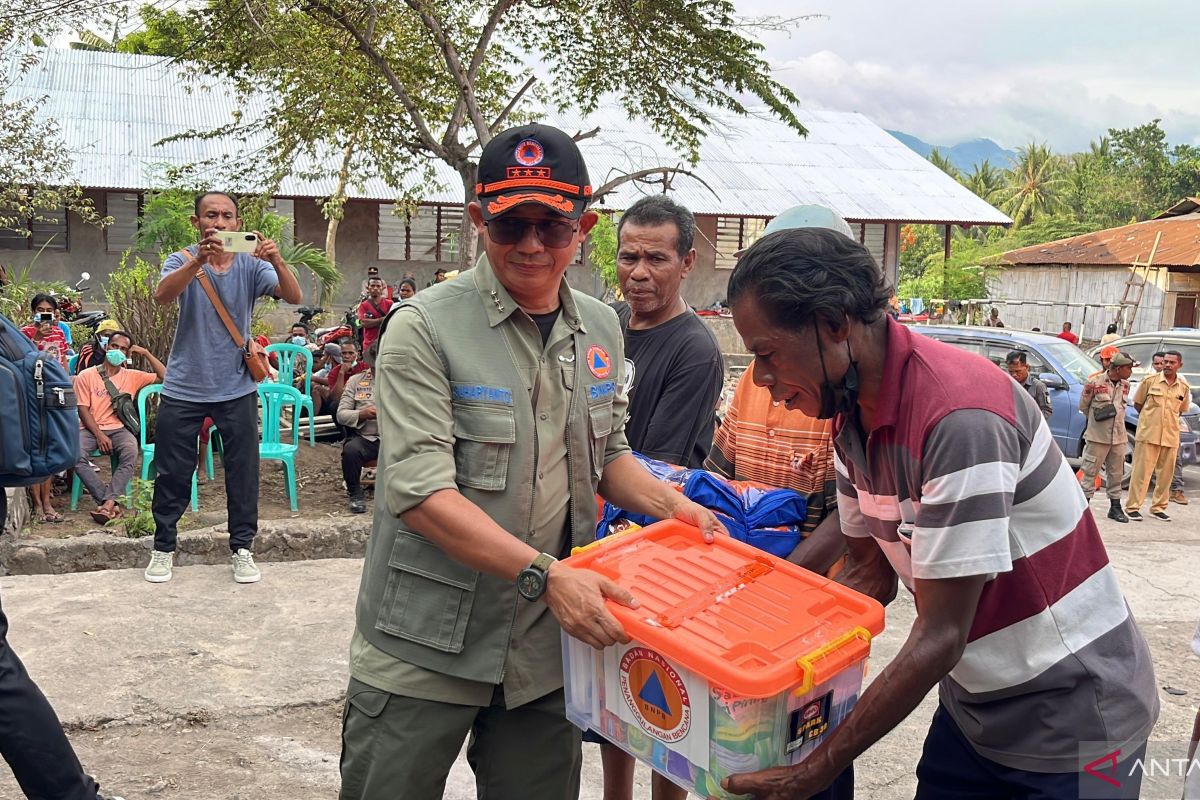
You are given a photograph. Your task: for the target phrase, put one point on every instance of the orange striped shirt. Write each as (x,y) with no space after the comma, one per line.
(763,442)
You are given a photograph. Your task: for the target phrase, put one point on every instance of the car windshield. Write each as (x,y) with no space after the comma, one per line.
(1071,359)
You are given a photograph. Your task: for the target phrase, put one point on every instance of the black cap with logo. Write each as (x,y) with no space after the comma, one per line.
(532,164)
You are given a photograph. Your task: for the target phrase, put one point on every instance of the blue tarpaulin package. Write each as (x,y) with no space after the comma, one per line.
(769,519)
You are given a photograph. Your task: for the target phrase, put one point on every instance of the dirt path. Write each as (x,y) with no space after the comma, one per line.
(319,490)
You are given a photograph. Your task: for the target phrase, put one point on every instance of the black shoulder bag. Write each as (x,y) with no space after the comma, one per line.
(123,405)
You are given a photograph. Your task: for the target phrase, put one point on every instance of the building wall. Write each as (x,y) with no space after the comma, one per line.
(1048,288)
(86,252)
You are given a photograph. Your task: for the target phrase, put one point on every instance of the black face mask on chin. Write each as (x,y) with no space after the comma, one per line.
(842,399)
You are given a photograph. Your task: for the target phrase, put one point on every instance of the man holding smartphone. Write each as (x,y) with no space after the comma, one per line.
(207,377)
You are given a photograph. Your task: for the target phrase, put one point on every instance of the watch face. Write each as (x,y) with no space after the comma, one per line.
(531,584)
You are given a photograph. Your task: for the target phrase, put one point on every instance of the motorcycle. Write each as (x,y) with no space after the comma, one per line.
(308,314)
(349,327)
(70,306)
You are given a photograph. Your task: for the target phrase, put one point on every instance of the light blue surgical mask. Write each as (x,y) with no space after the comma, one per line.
(299,341)
(104,342)
(115,357)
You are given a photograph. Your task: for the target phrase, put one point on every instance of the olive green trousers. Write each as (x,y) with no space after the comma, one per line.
(402,748)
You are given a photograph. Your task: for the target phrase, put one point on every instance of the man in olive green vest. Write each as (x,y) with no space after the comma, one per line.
(501,415)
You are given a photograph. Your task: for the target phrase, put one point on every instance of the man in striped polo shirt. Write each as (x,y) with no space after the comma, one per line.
(948,477)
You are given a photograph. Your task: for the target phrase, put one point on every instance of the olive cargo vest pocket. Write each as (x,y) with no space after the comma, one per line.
(600,425)
(484,437)
(428,596)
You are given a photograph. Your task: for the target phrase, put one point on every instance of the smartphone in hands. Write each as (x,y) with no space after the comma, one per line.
(238,241)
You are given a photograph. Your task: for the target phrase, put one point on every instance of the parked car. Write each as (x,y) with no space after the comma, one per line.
(1142,346)
(1064,368)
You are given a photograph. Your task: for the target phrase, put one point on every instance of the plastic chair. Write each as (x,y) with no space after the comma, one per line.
(77,484)
(148,447)
(286,354)
(274,397)
(72,362)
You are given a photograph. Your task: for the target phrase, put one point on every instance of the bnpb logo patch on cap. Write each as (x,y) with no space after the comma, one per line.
(599,362)
(529,152)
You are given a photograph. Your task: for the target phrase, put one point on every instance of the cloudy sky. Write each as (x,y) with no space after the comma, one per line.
(1063,71)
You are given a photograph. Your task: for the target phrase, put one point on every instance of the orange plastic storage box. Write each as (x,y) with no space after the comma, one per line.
(740,661)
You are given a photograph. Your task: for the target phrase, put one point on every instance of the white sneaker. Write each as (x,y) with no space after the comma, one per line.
(159,570)
(244,569)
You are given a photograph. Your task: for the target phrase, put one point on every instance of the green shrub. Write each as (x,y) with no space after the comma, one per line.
(130,294)
(138,519)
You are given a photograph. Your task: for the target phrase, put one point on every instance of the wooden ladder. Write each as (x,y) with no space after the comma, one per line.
(1135,287)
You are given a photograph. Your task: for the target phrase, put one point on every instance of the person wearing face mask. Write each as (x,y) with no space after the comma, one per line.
(298,335)
(357,414)
(93,350)
(334,382)
(100,428)
(948,478)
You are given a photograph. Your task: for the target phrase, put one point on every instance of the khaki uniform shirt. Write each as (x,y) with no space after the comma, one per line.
(359,394)
(1162,405)
(1100,391)
(533,665)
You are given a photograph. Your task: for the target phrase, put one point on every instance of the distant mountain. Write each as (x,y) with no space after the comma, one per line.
(964,155)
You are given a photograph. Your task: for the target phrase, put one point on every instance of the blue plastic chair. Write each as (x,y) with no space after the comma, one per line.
(274,397)
(72,362)
(148,447)
(286,355)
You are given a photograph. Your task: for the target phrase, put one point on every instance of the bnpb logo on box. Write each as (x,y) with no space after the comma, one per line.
(655,693)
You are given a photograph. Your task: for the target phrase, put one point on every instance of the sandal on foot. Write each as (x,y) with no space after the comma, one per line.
(52,516)
(100,516)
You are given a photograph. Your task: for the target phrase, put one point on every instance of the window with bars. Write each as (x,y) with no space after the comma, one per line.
(431,233)
(48,230)
(125,208)
(734,234)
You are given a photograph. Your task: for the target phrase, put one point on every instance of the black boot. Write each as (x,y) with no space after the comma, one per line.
(1116,512)
(358,504)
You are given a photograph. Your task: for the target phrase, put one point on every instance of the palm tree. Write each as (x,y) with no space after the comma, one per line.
(943,162)
(1102,148)
(984,180)
(1036,184)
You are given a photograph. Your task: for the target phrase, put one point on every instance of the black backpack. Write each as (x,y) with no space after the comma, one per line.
(39,426)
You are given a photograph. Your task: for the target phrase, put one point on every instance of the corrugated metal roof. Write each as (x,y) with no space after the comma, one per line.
(1178,246)
(1187,205)
(114,109)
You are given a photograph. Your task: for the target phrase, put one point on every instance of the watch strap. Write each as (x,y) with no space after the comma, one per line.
(543,562)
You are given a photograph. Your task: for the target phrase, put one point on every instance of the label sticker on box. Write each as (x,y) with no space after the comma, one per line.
(808,722)
(669,704)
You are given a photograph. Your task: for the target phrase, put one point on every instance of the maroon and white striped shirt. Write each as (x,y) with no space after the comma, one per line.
(960,476)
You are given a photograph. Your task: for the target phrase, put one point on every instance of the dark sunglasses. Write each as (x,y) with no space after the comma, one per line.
(550,232)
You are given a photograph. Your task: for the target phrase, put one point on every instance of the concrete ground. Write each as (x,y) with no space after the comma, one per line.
(203,689)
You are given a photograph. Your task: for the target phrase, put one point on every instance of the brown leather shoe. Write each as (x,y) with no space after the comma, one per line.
(1178,496)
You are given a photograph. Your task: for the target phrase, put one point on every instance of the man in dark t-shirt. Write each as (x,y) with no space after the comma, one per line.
(674,364)
(674,372)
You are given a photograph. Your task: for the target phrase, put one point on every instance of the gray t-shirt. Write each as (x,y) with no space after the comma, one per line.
(205,364)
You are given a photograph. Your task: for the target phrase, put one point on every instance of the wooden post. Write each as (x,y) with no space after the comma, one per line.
(891,254)
(946,246)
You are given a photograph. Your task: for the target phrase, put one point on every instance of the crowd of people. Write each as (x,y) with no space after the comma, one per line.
(504,404)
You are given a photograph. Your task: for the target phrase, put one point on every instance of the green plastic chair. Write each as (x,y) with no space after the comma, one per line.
(274,397)
(286,354)
(148,447)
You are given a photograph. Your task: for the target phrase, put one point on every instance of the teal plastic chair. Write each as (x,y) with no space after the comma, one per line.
(72,362)
(274,397)
(286,355)
(148,447)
